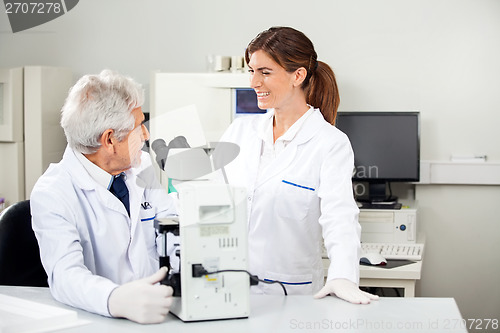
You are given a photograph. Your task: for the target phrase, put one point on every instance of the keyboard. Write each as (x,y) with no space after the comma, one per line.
(395,251)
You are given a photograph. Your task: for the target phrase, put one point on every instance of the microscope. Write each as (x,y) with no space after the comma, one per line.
(212,280)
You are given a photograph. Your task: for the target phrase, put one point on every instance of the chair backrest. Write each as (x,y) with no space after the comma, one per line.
(20,263)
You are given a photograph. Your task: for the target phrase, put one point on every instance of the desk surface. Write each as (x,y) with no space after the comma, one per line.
(287,314)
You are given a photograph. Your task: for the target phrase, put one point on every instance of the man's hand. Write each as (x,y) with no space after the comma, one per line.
(142,301)
(347,291)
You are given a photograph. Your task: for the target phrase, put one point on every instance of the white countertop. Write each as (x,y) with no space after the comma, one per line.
(287,314)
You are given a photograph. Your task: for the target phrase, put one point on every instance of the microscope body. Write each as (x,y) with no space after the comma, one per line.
(212,226)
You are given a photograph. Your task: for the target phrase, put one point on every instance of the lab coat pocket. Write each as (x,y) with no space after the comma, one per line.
(298,284)
(294,198)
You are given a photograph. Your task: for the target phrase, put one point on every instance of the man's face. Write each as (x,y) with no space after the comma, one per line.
(128,152)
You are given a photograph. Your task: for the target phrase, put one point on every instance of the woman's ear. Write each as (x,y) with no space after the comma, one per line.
(299,76)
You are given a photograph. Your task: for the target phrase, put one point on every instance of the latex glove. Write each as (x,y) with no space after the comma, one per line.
(346,290)
(142,301)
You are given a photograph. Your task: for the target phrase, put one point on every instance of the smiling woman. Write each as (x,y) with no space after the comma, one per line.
(291,50)
(297,169)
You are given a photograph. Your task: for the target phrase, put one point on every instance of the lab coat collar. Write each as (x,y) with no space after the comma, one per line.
(84,180)
(100,176)
(265,130)
(79,174)
(308,129)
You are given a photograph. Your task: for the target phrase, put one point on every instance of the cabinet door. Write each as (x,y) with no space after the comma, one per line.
(12,171)
(45,90)
(11,105)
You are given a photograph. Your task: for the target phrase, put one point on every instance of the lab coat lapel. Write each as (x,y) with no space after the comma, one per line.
(136,192)
(287,156)
(282,161)
(84,181)
(252,163)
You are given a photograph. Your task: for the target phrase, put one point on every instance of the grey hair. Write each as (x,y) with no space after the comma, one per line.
(97,103)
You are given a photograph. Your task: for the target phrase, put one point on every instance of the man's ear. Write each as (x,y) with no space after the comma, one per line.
(299,76)
(108,140)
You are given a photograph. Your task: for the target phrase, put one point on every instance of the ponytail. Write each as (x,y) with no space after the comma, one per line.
(322,92)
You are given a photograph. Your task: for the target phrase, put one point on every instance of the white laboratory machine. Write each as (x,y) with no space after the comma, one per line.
(217,97)
(198,106)
(213,238)
(212,279)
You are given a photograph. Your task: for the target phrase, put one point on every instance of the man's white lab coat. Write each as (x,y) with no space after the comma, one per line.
(88,243)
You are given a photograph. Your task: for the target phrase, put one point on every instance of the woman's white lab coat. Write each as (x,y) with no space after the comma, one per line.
(88,243)
(306,193)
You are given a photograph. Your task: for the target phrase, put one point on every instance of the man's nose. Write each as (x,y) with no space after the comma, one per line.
(145,133)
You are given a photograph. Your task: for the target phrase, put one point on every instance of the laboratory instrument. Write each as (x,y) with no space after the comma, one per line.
(211,280)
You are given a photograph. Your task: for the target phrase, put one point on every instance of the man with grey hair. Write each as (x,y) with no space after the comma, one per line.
(93,211)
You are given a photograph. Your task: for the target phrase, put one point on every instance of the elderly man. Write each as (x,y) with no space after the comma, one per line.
(93,211)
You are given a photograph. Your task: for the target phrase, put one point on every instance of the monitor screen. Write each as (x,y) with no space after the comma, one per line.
(386,145)
(246,102)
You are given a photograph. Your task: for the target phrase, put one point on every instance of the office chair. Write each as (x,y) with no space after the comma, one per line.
(20,263)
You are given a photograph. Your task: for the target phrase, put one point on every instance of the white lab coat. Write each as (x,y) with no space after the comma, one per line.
(88,243)
(305,194)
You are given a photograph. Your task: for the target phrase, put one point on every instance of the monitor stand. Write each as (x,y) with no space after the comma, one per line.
(381,205)
(378,199)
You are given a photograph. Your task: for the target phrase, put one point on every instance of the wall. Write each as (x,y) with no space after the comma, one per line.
(462,228)
(436,56)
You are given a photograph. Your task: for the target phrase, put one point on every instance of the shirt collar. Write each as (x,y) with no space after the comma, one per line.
(100,176)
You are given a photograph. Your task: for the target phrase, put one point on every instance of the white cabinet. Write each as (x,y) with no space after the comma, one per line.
(211,93)
(30,135)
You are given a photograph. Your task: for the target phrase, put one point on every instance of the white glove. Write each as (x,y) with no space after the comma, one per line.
(346,290)
(143,301)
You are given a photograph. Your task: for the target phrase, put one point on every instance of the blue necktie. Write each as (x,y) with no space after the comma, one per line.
(120,190)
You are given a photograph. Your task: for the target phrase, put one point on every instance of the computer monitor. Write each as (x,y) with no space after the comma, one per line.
(386,149)
(245,102)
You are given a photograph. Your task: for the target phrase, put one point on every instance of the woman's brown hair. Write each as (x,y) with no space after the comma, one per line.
(291,49)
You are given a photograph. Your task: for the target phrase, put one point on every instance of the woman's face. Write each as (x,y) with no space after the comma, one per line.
(272,83)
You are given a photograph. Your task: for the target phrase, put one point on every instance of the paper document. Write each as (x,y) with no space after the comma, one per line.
(21,316)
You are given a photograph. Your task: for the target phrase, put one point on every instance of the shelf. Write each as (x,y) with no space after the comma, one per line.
(464,173)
